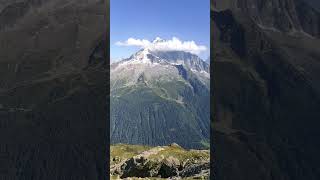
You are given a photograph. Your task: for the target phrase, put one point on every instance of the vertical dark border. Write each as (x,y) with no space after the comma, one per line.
(212,147)
(107,144)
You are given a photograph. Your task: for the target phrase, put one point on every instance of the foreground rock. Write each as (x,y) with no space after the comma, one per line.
(163,162)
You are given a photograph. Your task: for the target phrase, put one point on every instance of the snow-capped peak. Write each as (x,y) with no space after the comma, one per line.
(148,56)
(143,56)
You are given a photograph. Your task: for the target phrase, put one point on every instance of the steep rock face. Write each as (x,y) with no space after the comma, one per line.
(160,98)
(53,88)
(266,93)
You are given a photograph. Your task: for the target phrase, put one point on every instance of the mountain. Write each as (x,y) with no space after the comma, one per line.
(265,62)
(160,97)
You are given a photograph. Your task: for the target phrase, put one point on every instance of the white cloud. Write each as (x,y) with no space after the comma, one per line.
(134,42)
(159,44)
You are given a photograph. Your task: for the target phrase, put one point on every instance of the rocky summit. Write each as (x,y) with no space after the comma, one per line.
(161,162)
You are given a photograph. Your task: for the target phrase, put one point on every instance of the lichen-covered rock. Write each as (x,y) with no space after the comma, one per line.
(195,169)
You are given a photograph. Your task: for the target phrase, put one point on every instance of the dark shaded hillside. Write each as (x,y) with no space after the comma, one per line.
(142,117)
(266,91)
(53,89)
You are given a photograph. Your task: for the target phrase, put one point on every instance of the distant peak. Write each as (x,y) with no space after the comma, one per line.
(158,40)
(144,55)
(143,52)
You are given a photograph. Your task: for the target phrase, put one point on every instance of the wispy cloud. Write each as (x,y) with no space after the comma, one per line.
(159,44)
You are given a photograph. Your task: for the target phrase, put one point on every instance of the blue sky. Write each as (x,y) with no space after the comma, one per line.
(188,20)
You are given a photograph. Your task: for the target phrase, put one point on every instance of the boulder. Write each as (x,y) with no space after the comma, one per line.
(140,167)
(169,167)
